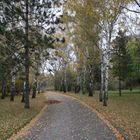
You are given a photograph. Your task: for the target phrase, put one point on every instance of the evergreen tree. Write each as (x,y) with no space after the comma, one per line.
(121,58)
(25,16)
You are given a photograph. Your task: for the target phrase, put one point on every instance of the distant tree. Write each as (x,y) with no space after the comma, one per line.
(121,58)
(85,38)
(133,47)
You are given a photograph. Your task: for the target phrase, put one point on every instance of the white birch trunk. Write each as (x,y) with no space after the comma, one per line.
(102,77)
(106,80)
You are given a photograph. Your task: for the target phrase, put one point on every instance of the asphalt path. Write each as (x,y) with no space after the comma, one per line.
(68,119)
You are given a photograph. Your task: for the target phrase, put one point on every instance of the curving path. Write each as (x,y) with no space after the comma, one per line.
(68,120)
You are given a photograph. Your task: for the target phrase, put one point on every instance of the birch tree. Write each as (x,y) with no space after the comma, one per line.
(109,12)
(85,37)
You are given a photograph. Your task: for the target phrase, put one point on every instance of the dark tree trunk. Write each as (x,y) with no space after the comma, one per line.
(83,90)
(23,93)
(120,88)
(63,85)
(27,104)
(34,93)
(102,78)
(3,89)
(105,99)
(64,88)
(83,83)
(34,90)
(38,88)
(12,92)
(38,91)
(90,91)
(100,96)
(23,98)
(120,93)
(104,91)
(77,88)
(130,84)
(12,97)
(90,84)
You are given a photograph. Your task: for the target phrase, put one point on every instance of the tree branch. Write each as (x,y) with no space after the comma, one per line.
(137,3)
(134,11)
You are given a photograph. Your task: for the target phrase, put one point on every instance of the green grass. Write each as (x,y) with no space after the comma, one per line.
(13,116)
(123,112)
(135,91)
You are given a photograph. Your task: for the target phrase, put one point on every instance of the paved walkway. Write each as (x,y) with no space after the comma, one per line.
(68,120)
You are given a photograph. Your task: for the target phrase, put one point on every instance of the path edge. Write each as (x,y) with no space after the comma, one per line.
(24,131)
(118,135)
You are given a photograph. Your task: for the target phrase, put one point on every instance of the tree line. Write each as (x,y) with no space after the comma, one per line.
(103,48)
(86,43)
(27,29)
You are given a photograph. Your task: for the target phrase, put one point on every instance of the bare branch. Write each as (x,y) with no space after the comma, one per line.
(134,11)
(137,3)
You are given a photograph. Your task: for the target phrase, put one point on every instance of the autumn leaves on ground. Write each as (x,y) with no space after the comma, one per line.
(122,112)
(13,116)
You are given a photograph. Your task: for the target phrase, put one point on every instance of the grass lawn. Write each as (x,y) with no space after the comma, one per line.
(13,116)
(123,112)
